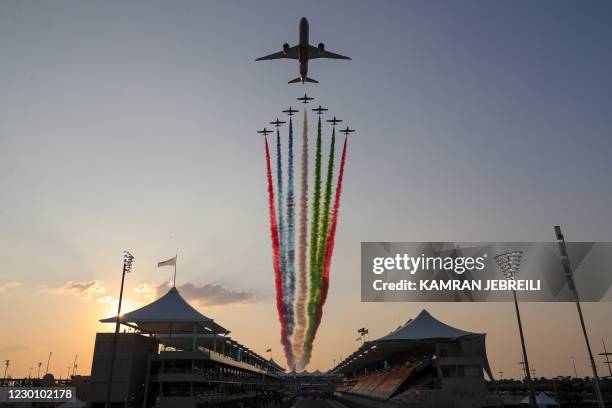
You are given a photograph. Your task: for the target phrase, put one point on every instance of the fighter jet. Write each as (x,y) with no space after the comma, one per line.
(264,132)
(290,111)
(319,110)
(347,131)
(303,52)
(277,123)
(305,99)
(334,121)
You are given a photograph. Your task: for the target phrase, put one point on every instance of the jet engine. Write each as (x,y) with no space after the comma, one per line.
(321,47)
(285,48)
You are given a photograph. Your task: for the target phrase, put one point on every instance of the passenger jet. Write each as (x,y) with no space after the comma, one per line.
(303,52)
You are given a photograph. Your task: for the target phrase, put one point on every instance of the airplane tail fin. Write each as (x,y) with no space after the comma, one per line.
(306,79)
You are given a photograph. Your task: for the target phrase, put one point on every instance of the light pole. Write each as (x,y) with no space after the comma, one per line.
(127,267)
(7,363)
(48,361)
(569,275)
(509,263)
(606,355)
(39,364)
(575,371)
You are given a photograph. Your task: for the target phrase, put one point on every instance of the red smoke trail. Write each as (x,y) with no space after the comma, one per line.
(331,237)
(276,260)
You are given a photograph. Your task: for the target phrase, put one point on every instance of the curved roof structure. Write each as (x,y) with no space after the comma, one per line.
(169,314)
(425,327)
(416,333)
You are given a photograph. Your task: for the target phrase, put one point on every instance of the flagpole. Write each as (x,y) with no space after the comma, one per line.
(175,261)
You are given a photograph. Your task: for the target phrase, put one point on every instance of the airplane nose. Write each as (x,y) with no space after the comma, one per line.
(304,21)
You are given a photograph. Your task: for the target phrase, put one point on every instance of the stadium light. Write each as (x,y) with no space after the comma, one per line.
(509,264)
(7,363)
(127,267)
(569,275)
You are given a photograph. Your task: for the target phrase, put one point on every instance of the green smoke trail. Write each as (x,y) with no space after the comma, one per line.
(322,227)
(325,216)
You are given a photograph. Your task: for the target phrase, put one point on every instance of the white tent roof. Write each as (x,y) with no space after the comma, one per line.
(169,314)
(542,400)
(425,327)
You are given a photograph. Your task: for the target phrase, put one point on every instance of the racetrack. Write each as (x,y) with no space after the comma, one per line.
(318,403)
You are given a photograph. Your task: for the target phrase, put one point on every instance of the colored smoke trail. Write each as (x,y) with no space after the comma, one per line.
(326,214)
(276,258)
(290,237)
(280,217)
(300,306)
(331,239)
(315,281)
(282,236)
(314,224)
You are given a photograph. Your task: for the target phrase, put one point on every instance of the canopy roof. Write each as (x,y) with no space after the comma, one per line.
(425,326)
(416,335)
(169,314)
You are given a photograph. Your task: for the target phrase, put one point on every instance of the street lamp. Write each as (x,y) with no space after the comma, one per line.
(127,267)
(509,264)
(569,275)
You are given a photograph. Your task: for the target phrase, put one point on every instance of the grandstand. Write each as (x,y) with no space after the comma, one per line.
(171,355)
(313,384)
(421,363)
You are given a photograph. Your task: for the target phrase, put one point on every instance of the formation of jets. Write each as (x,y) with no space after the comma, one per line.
(319,110)
(303,52)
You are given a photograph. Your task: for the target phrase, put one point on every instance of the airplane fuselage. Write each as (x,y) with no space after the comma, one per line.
(303,43)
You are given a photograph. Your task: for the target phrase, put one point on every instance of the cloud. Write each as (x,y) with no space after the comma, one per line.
(8,285)
(106,299)
(208,294)
(85,290)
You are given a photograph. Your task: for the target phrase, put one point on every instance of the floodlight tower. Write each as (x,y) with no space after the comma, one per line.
(509,263)
(127,267)
(569,275)
(7,363)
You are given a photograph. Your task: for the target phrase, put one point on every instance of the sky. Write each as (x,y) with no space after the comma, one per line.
(132,126)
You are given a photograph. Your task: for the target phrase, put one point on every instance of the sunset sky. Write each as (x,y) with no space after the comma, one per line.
(132,126)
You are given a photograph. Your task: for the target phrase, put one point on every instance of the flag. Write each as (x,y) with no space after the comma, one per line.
(167,262)
(269,350)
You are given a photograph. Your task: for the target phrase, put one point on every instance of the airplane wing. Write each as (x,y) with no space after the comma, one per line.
(313,53)
(292,53)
